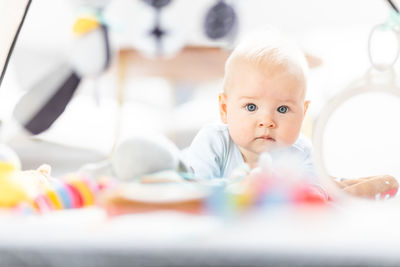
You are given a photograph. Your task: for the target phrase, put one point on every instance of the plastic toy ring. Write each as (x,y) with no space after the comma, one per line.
(380,66)
(373,81)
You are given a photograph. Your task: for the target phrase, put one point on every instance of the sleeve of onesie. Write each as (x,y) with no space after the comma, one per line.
(304,147)
(308,160)
(204,156)
(309,167)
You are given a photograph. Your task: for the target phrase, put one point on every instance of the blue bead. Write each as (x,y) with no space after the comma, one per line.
(63,193)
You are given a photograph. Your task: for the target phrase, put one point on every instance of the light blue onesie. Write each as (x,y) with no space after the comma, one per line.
(213,154)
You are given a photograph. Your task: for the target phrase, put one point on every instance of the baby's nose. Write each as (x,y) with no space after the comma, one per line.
(267,123)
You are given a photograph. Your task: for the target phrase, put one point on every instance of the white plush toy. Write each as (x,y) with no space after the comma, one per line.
(142,155)
(139,156)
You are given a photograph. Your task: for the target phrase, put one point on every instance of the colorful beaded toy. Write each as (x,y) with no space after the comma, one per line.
(31,192)
(71,192)
(263,190)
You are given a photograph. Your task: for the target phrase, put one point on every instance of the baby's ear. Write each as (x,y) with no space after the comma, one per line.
(222,107)
(306,104)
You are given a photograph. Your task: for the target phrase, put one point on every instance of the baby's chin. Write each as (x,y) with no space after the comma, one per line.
(265,147)
(268,146)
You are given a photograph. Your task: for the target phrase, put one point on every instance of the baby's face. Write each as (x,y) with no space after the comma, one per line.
(262,112)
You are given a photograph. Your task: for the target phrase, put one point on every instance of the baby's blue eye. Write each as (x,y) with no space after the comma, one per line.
(251,107)
(283,109)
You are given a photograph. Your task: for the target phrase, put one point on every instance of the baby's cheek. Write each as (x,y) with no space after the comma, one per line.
(238,135)
(290,136)
(288,142)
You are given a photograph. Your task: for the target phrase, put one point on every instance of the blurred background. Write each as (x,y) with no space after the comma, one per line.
(176,94)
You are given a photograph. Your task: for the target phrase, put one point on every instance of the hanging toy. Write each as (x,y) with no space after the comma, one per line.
(40,107)
(163,39)
(10,30)
(158,32)
(90,54)
(220,21)
(393,5)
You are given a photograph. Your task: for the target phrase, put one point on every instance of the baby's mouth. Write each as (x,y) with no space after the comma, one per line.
(265,137)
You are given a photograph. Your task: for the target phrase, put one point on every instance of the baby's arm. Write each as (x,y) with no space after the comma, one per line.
(369,187)
(203,157)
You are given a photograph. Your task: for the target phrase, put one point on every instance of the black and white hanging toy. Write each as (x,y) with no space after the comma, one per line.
(221,21)
(40,107)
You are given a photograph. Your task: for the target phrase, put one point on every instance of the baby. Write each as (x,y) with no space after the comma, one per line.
(262,108)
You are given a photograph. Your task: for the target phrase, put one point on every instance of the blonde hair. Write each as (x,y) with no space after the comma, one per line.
(268,50)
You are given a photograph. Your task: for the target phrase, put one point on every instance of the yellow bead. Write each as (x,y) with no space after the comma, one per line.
(54,199)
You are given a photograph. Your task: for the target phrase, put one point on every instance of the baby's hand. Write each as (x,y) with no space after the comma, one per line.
(370,187)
